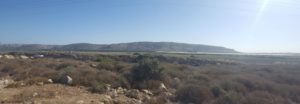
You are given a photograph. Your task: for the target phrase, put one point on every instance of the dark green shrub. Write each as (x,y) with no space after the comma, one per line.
(217,91)
(229,98)
(147,69)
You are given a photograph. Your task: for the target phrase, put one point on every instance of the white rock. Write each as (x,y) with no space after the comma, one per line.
(80,102)
(40,83)
(5,82)
(9,57)
(108,87)
(107,99)
(120,90)
(139,101)
(147,92)
(114,93)
(35,94)
(67,80)
(24,57)
(134,94)
(163,87)
(93,65)
(147,97)
(50,81)
(70,80)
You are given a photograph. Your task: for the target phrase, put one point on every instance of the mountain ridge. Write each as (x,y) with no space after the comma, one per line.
(131,46)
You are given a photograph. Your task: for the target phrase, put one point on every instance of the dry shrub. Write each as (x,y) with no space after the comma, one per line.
(158,100)
(262,97)
(149,84)
(62,66)
(217,91)
(233,86)
(6,70)
(29,95)
(97,87)
(85,76)
(194,94)
(35,80)
(229,98)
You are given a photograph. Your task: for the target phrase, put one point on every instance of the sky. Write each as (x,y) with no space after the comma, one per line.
(243,25)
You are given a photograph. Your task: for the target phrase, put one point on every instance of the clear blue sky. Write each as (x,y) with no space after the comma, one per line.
(244,25)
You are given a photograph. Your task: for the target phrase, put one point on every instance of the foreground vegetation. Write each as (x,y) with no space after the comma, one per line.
(194,79)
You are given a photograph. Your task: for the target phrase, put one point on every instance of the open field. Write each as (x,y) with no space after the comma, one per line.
(148,78)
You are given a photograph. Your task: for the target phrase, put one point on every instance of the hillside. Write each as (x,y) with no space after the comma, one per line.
(134,46)
(147,78)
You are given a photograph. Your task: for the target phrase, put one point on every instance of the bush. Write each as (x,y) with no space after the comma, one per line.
(106,60)
(87,77)
(234,86)
(147,69)
(97,87)
(106,66)
(217,91)
(230,98)
(6,70)
(262,97)
(194,94)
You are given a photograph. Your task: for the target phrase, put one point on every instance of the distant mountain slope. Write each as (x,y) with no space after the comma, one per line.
(25,47)
(134,46)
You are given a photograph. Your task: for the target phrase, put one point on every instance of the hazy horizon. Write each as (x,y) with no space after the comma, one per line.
(270,26)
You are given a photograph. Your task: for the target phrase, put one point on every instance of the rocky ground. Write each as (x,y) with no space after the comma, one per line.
(64,94)
(18,92)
